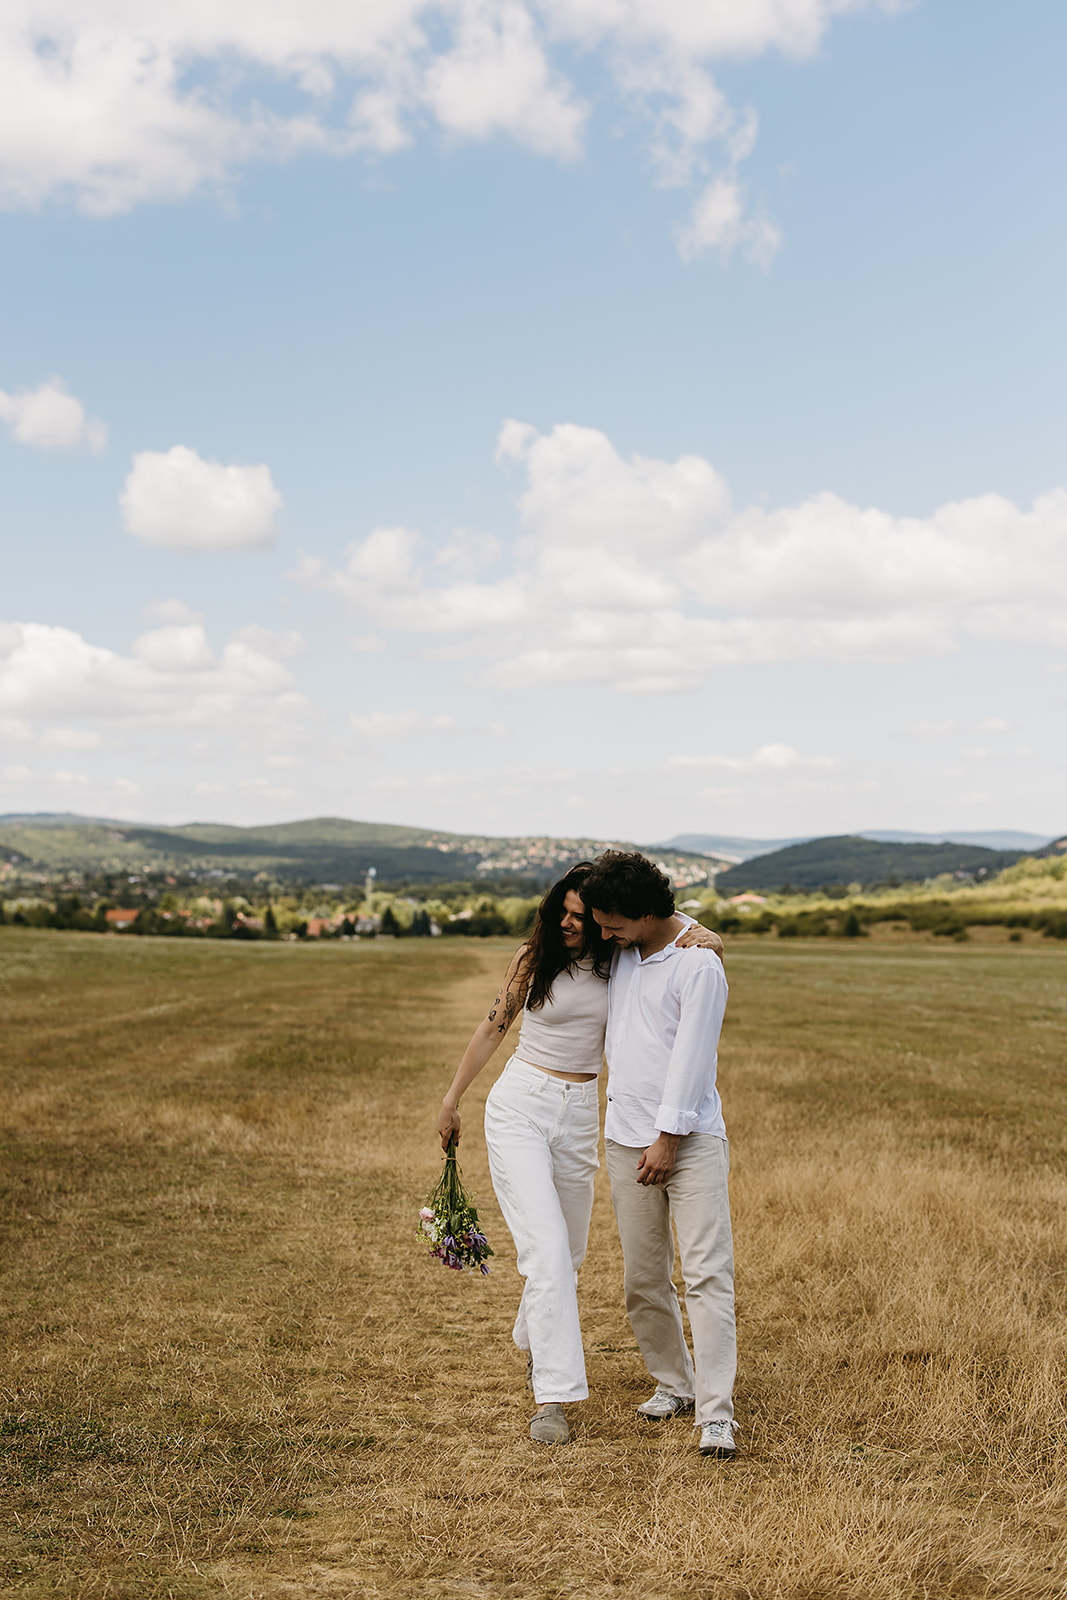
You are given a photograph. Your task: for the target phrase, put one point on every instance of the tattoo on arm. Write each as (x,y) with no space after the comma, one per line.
(512,998)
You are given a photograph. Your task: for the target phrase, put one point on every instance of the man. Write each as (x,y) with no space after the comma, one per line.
(667,1154)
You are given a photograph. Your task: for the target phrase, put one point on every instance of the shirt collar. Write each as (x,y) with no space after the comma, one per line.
(668,949)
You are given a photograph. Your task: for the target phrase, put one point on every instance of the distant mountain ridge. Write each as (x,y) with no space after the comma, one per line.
(844,859)
(318,850)
(991,839)
(728,846)
(341,851)
(731,847)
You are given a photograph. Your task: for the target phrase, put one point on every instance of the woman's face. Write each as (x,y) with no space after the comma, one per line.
(572,922)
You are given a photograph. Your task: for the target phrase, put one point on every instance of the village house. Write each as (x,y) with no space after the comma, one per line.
(121,920)
(745,902)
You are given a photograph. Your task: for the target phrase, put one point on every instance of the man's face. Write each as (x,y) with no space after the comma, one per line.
(572,923)
(623,931)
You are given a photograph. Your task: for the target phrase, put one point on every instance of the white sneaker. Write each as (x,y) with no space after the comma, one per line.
(663,1404)
(717,1439)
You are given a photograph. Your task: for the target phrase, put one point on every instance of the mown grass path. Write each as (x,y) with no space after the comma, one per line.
(227,1369)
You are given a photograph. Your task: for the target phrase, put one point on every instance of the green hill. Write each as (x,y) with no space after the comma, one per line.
(320,850)
(845,859)
(324,849)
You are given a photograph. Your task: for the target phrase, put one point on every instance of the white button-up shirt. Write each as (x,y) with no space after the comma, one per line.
(664,1018)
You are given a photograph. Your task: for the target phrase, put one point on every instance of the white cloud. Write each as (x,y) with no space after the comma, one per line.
(496,79)
(176,499)
(382,578)
(640,574)
(172,679)
(581,492)
(175,649)
(687,109)
(468,553)
(51,418)
(125,101)
(719,222)
(285,646)
(702,28)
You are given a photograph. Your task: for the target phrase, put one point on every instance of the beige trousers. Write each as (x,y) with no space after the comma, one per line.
(696,1197)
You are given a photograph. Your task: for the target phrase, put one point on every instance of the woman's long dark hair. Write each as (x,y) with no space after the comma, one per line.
(546,954)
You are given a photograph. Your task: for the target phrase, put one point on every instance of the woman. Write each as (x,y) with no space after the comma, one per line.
(541,1130)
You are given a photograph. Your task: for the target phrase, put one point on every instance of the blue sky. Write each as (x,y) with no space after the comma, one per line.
(598,417)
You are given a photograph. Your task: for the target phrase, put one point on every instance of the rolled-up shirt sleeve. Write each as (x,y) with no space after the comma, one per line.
(702,993)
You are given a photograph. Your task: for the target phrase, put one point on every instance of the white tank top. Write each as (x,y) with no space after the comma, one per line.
(566,1034)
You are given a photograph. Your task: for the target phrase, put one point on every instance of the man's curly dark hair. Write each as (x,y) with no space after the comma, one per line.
(626,884)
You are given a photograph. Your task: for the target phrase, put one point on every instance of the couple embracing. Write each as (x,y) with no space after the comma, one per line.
(612,968)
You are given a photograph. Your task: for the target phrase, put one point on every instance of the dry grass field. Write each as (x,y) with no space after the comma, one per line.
(227,1368)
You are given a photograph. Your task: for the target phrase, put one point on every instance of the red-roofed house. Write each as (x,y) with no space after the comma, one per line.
(120,919)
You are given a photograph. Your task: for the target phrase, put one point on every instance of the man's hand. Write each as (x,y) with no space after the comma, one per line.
(448,1124)
(657,1163)
(700,938)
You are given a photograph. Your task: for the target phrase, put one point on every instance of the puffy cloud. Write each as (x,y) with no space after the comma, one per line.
(639,573)
(382,578)
(828,558)
(175,649)
(176,499)
(173,678)
(51,418)
(702,28)
(468,553)
(131,100)
(687,109)
(719,222)
(580,492)
(496,78)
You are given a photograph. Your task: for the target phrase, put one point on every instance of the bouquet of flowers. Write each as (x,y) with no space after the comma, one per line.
(448,1222)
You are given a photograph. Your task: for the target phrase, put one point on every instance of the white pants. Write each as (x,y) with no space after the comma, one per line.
(541,1135)
(697,1198)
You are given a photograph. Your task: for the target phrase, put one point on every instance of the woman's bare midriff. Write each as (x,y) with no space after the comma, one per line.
(568,1077)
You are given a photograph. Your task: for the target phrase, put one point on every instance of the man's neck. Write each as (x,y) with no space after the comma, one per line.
(662,931)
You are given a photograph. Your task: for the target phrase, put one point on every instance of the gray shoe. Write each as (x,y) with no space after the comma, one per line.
(663,1404)
(550,1425)
(717,1439)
